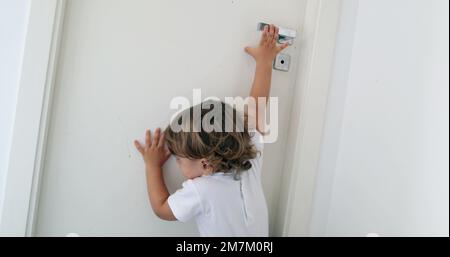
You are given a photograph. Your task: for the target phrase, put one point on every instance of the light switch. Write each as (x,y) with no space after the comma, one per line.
(282,62)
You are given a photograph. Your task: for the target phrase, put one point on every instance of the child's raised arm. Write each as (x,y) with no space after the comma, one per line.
(264,54)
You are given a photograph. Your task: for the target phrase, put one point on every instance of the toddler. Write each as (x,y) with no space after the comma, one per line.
(223,191)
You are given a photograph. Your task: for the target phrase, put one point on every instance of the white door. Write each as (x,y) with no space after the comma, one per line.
(121,62)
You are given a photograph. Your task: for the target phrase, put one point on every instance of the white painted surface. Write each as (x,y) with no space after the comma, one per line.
(308,117)
(385,166)
(121,64)
(30,115)
(13,21)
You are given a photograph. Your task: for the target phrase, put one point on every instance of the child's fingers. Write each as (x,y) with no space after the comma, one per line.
(148,138)
(275,38)
(272,31)
(248,50)
(271,34)
(282,47)
(161,141)
(139,147)
(267,38)
(264,35)
(156,136)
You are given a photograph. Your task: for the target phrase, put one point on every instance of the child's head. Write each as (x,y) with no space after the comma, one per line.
(204,153)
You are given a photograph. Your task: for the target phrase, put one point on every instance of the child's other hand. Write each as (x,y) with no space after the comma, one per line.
(267,49)
(154,152)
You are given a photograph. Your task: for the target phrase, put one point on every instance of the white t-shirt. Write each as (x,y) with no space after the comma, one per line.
(223,206)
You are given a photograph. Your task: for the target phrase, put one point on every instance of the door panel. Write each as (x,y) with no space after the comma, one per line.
(121,62)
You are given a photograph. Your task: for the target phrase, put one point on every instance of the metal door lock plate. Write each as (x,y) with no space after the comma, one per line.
(282,62)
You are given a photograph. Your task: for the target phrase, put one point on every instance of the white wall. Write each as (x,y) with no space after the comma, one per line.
(384,165)
(13,20)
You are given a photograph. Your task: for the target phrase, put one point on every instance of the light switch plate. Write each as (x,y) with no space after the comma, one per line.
(282,62)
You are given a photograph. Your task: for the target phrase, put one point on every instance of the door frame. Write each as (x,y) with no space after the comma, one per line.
(34,104)
(27,152)
(308,116)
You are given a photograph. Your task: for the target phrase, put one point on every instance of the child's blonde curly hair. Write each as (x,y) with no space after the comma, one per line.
(225,151)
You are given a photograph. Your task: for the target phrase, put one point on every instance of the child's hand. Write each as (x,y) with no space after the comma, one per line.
(268,48)
(154,152)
